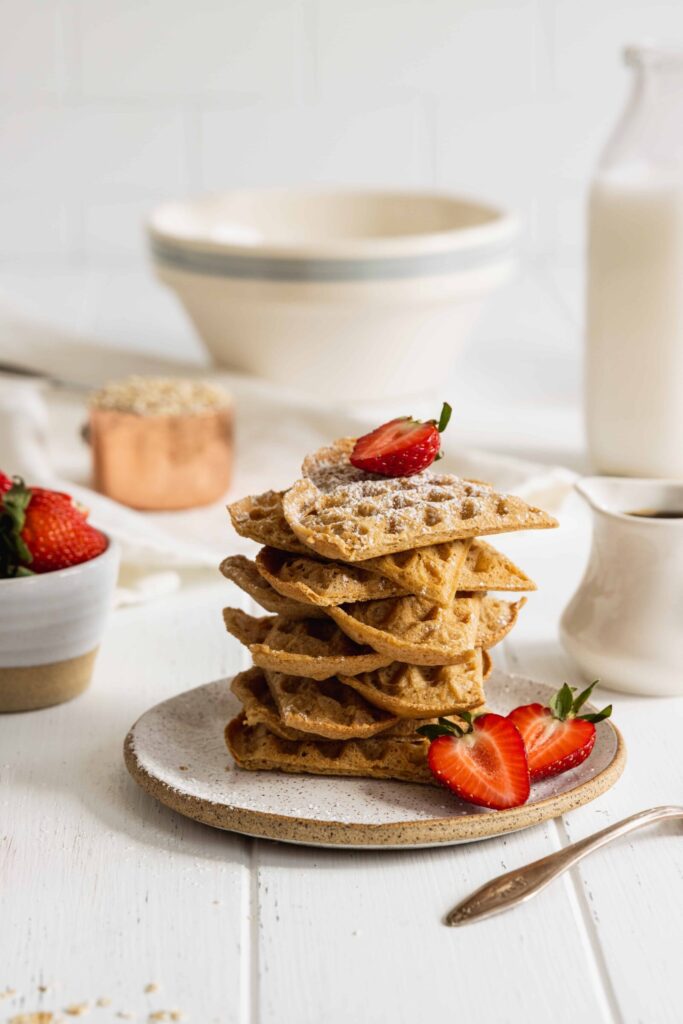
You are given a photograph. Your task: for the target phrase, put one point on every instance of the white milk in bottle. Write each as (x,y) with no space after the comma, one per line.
(634,351)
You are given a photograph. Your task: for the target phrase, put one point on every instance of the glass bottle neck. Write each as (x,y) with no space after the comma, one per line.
(648,139)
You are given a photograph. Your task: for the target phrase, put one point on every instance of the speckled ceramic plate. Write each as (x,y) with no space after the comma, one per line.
(176,752)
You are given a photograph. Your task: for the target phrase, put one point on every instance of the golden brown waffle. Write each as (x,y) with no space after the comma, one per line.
(252,690)
(343,513)
(413,629)
(244,573)
(260,517)
(314,648)
(423,691)
(321,583)
(432,571)
(256,749)
(486,568)
(259,708)
(326,708)
(496,620)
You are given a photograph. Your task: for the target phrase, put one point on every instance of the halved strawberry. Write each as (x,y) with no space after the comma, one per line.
(5,483)
(402,447)
(484,763)
(557,737)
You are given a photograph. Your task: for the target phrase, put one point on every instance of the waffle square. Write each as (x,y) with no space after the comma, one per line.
(321,583)
(243,572)
(256,749)
(314,648)
(424,691)
(341,512)
(326,708)
(413,629)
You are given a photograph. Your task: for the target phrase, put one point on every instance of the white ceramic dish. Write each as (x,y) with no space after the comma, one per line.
(176,752)
(624,624)
(51,625)
(344,294)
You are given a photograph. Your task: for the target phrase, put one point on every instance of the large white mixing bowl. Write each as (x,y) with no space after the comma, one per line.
(343,294)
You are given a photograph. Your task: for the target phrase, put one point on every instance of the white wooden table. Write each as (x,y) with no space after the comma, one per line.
(106,895)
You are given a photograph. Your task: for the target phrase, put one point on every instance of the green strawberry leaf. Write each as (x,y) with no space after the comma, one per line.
(444,418)
(565,705)
(583,697)
(562,702)
(599,716)
(15,556)
(444,727)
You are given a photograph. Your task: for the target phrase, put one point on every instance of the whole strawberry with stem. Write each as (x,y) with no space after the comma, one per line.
(557,737)
(484,761)
(42,530)
(401,447)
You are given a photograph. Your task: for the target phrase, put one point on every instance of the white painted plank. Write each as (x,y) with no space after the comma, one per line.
(629,893)
(104,891)
(358,936)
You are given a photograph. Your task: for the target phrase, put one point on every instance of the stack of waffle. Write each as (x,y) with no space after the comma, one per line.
(381,618)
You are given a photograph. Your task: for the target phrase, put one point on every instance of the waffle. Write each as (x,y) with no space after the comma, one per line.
(343,513)
(244,573)
(252,690)
(259,708)
(326,708)
(413,629)
(432,571)
(321,583)
(314,648)
(254,748)
(496,620)
(486,568)
(424,691)
(260,517)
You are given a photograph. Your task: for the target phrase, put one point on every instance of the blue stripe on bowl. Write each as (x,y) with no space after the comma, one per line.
(270,268)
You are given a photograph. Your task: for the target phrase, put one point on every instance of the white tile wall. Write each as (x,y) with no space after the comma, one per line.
(108,106)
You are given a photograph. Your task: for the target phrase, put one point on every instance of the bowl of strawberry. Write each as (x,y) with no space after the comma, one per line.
(57,579)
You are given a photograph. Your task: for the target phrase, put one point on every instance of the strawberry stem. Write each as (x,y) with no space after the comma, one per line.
(14,553)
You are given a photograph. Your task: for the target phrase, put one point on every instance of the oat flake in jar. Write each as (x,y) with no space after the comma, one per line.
(634,316)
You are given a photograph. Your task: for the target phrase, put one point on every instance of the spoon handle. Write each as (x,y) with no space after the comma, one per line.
(515,887)
(28,373)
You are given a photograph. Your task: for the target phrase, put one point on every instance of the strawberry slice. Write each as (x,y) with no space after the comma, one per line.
(484,763)
(557,737)
(402,447)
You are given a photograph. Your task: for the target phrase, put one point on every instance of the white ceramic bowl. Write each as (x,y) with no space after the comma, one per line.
(50,629)
(343,294)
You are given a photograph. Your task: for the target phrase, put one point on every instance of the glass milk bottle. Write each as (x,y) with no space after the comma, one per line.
(634,353)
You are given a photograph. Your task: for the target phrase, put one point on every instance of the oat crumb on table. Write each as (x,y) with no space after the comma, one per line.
(42,1017)
(151,987)
(103,1001)
(77,1009)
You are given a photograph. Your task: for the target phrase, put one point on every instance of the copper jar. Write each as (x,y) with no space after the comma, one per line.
(154,461)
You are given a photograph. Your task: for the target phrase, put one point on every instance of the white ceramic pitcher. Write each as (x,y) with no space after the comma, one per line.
(624,624)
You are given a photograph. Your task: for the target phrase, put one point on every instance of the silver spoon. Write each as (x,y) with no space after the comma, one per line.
(518,886)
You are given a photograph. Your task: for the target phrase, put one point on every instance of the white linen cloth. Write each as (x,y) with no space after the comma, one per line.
(40,439)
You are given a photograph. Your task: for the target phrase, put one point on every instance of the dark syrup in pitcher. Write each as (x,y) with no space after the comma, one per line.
(656,513)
